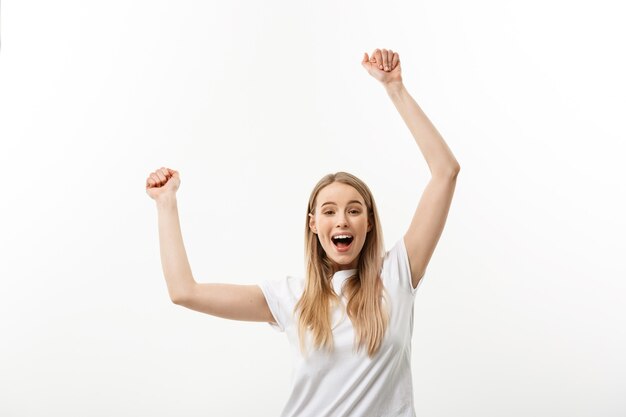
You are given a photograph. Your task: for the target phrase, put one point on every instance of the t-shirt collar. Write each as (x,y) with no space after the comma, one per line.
(340,276)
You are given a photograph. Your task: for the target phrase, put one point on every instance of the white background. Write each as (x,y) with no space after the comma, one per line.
(521,312)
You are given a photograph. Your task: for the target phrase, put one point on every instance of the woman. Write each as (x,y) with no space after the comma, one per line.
(350,320)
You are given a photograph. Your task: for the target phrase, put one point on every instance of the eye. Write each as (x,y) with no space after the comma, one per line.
(329,212)
(355,211)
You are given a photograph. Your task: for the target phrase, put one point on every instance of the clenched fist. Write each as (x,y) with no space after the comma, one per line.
(384,65)
(162,182)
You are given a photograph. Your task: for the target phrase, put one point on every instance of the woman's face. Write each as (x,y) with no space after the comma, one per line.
(341,224)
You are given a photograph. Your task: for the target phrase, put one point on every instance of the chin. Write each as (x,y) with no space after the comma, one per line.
(345,263)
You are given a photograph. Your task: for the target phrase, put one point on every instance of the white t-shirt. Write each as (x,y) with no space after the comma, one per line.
(343,383)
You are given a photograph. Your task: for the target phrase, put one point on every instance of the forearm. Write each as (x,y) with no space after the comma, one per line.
(174,261)
(438,155)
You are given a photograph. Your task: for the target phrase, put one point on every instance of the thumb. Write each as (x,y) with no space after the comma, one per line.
(365,59)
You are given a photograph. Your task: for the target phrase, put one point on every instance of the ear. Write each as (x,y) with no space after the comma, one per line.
(312,223)
(369,225)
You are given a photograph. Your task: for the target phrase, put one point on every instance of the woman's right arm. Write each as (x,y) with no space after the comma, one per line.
(230,301)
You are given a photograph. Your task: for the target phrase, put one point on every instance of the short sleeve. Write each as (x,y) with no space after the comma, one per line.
(275,292)
(396,266)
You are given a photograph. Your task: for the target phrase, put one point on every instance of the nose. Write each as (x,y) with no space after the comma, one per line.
(342,221)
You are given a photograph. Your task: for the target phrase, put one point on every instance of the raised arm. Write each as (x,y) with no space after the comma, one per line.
(230,301)
(432,211)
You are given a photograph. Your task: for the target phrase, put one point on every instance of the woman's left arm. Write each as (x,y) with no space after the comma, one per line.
(432,211)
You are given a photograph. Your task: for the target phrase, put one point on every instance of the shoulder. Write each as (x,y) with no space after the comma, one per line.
(395,257)
(281,296)
(286,289)
(396,270)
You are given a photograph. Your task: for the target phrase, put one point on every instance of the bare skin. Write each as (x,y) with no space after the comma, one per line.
(340,209)
(229,301)
(247,302)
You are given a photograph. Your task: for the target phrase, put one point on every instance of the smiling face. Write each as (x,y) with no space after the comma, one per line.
(341,223)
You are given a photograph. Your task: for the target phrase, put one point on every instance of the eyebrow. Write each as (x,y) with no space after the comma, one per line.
(349,202)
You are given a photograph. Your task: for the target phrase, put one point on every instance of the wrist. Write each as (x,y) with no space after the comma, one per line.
(166,201)
(394,87)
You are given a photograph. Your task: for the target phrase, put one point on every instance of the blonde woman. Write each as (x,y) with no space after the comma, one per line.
(350,320)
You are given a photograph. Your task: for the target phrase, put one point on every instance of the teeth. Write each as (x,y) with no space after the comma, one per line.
(341,236)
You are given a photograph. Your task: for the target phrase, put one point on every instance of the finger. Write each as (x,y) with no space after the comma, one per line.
(385,60)
(149,182)
(366,58)
(396,60)
(155,179)
(390,59)
(379,58)
(373,61)
(165,171)
(160,176)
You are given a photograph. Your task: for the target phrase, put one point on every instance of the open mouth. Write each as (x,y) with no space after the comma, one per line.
(342,242)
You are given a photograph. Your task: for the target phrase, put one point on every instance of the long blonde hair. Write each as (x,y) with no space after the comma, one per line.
(364,290)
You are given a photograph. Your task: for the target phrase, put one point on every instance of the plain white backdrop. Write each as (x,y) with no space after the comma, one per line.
(521,312)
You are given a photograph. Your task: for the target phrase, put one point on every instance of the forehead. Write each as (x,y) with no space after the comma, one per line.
(338,193)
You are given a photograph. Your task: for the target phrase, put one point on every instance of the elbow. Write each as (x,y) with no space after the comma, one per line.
(177,299)
(449,172)
(455,169)
(180,297)
(180,291)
